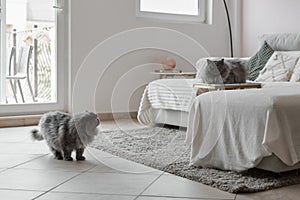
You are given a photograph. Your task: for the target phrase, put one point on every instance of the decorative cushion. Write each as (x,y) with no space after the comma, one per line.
(282,42)
(296,73)
(258,61)
(280,66)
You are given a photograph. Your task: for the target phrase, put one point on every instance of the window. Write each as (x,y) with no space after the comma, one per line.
(32,55)
(173,10)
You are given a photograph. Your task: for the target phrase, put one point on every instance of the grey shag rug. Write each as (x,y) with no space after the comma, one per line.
(164,149)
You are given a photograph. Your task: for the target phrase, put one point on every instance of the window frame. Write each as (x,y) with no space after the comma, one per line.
(200,18)
(2,54)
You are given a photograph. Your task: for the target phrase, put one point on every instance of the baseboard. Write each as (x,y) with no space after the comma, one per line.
(14,121)
(117,116)
(33,120)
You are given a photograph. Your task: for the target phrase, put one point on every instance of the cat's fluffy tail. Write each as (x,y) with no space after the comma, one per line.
(35,134)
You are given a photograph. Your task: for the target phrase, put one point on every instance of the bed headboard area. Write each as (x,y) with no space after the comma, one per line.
(278,42)
(282,42)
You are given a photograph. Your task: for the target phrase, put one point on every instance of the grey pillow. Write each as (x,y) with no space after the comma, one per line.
(258,61)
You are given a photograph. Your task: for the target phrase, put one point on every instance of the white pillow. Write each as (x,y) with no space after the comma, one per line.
(282,41)
(280,66)
(296,73)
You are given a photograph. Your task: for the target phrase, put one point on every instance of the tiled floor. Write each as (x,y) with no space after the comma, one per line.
(28,171)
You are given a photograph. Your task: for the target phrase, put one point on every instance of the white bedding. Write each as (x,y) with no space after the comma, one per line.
(170,94)
(236,129)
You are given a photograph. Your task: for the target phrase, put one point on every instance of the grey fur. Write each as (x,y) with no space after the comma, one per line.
(223,72)
(64,133)
(35,134)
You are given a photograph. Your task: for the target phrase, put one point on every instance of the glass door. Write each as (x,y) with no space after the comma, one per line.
(32,37)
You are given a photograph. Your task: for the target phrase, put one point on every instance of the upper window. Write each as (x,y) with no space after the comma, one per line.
(174,10)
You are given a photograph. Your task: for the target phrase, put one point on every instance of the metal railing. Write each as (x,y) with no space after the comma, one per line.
(40,67)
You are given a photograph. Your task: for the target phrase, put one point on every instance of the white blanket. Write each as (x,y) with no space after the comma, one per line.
(235,130)
(172,94)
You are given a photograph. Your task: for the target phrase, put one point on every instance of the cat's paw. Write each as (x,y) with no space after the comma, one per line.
(80,158)
(58,157)
(68,158)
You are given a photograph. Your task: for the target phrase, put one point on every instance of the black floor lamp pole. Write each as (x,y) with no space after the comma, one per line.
(229,26)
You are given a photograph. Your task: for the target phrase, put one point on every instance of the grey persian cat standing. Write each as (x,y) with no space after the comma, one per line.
(223,72)
(64,133)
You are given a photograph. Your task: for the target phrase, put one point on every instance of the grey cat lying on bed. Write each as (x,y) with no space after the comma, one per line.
(64,133)
(223,72)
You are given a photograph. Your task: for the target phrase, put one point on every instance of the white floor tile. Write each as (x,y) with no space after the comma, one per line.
(173,186)
(24,129)
(15,137)
(74,196)
(18,195)
(24,148)
(108,183)
(120,165)
(97,154)
(48,162)
(20,134)
(27,179)
(12,160)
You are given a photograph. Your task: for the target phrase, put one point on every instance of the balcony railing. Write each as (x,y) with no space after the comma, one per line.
(41,62)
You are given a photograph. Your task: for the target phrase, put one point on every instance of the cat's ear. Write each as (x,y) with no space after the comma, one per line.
(209,61)
(222,60)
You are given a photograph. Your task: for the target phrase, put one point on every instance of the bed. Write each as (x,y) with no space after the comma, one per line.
(257,147)
(167,101)
(244,129)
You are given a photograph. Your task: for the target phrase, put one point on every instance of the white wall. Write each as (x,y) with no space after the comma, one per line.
(267,16)
(94,21)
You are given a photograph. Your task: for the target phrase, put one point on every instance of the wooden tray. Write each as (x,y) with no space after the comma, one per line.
(227,86)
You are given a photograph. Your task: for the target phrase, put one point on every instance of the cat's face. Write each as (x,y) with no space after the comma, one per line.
(87,121)
(212,67)
(217,68)
(92,119)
